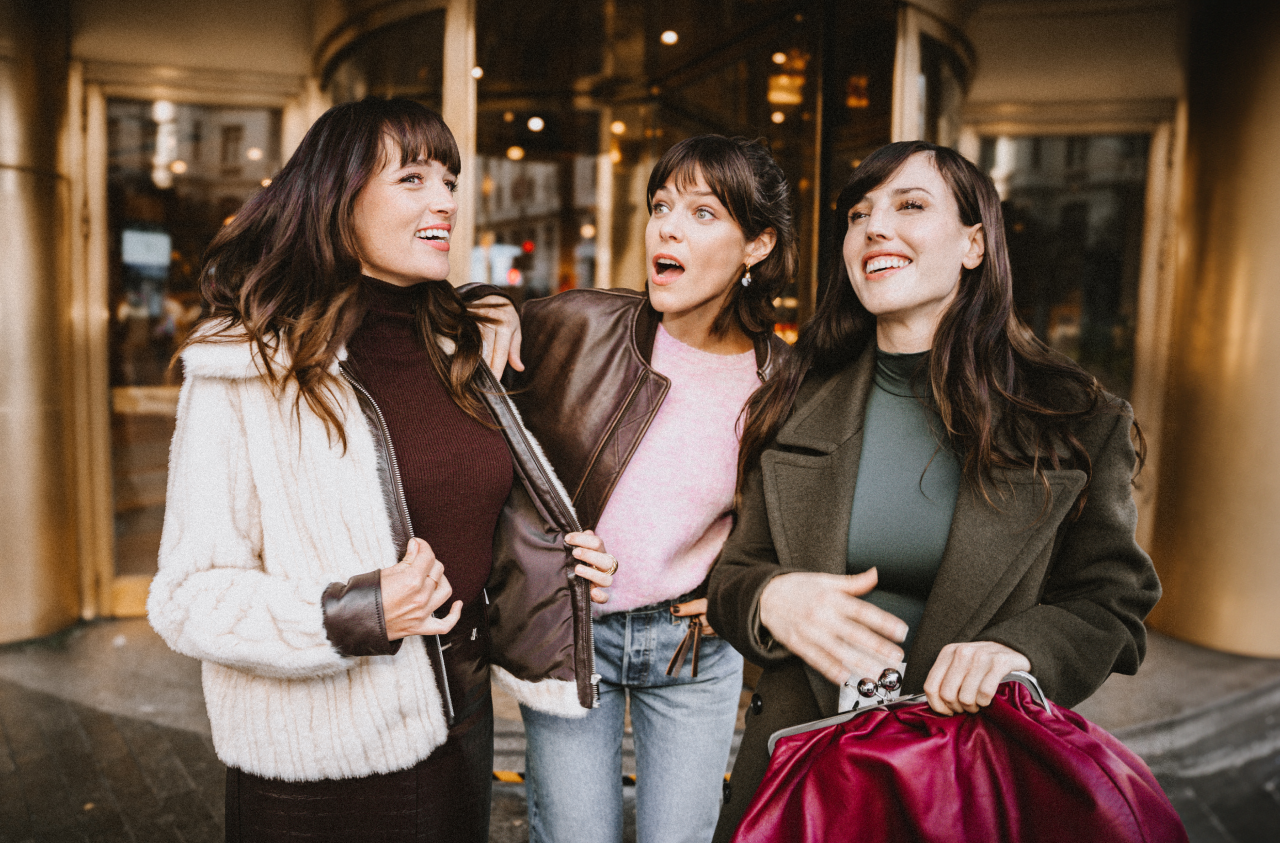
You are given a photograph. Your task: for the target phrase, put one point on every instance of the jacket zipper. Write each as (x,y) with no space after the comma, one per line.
(391,450)
(403,504)
(571,519)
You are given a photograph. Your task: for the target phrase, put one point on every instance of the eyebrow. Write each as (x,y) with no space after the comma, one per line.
(901,191)
(707,192)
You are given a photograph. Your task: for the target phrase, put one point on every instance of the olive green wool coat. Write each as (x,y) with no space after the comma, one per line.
(1070,595)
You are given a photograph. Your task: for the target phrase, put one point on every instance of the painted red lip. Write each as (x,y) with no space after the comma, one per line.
(883,253)
(438,245)
(670,276)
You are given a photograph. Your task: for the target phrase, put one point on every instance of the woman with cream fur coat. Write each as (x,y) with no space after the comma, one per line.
(336,411)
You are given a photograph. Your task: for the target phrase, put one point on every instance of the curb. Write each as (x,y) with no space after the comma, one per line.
(1192,744)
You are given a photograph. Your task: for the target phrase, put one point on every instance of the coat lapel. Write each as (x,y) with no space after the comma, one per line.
(809,490)
(988,552)
(809,493)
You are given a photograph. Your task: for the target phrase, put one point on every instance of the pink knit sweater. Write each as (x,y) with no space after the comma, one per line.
(669,513)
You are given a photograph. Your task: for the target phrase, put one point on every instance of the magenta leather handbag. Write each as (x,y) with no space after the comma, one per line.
(1019,771)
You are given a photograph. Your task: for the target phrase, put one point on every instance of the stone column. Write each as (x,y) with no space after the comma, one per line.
(1217,526)
(39,583)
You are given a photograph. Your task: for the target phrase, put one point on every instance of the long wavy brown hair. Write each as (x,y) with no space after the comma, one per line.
(1005,399)
(285,272)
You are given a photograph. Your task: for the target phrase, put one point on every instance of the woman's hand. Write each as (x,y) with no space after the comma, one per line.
(500,341)
(965,676)
(693,608)
(594,565)
(821,619)
(412,589)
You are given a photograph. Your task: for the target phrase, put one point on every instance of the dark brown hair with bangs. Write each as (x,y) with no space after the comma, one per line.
(751,186)
(1007,400)
(285,272)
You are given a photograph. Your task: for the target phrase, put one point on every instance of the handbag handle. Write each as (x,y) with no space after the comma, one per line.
(1029,682)
(1020,676)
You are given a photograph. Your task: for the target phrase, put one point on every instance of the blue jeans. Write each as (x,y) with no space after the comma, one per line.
(682,728)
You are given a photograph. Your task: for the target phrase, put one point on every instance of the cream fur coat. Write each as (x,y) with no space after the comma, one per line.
(263,512)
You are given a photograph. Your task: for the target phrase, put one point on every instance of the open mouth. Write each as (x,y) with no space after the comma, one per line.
(878,266)
(440,235)
(667,269)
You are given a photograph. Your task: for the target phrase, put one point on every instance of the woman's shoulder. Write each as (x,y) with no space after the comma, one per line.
(584,318)
(224,350)
(584,303)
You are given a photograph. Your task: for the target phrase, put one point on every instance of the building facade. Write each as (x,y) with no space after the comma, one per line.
(131,130)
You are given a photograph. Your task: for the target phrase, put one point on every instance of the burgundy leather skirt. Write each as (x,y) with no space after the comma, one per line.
(444,797)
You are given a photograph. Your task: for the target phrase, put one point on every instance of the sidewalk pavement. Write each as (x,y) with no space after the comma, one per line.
(104,737)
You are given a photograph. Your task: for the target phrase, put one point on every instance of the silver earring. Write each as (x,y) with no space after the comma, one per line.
(746,278)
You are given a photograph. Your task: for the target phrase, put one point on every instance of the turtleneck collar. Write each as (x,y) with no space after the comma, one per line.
(904,375)
(384,297)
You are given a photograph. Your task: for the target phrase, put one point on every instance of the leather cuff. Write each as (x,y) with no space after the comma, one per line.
(353,619)
(475,291)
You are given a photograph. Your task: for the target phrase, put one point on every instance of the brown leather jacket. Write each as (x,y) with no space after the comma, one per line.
(587,395)
(588,392)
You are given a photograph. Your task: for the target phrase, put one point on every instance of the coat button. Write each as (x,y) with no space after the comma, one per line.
(757,704)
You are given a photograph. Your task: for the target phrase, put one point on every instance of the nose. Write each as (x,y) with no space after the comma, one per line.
(443,201)
(668,228)
(878,225)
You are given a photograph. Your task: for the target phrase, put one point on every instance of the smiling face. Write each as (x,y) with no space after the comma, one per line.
(695,254)
(403,219)
(904,250)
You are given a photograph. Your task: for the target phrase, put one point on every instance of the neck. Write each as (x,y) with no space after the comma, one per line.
(904,337)
(695,330)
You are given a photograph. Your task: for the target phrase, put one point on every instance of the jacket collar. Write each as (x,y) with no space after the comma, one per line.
(833,412)
(220,352)
(644,330)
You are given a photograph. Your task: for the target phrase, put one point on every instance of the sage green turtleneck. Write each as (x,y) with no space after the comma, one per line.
(906,490)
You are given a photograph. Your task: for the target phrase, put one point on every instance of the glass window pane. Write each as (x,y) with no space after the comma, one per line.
(1074,209)
(175,174)
(403,59)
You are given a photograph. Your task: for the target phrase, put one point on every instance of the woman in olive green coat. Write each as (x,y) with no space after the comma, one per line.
(927,482)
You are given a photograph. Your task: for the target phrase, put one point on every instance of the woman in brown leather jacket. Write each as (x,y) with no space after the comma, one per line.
(637,399)
(331,395)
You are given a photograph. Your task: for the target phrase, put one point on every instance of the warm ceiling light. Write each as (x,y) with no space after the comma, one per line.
(508,116)
(615,155)
(779,58)
(515,153)
(587,232)
(777,117)
(179,167)
(669,37)
(536,124)
(618,127)
(253,153)
(163,111)
(477,72)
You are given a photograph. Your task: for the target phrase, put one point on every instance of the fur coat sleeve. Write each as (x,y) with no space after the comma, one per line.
(263,512)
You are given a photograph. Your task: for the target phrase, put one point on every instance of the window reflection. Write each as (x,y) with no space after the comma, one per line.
(1074,208)
(168,193)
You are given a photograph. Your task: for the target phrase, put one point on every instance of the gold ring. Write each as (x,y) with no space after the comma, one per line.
(614,569)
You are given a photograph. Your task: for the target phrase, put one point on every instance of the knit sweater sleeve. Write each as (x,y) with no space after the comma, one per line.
(213,598)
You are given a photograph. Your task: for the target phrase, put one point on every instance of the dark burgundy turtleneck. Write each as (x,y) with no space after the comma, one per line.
(456,471)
